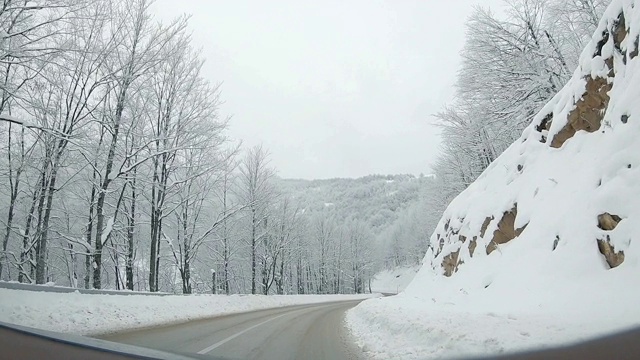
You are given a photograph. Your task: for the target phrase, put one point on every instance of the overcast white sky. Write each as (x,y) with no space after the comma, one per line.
(332,88)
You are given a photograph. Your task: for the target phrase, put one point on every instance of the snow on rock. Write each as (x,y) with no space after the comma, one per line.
(544,247)
(393,281)
(100,314)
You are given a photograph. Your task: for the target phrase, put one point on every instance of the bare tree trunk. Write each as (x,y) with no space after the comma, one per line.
(156,225)
(225,235)
(281,277)
(290,288)
(265,276)
(41,251)
(161,178)
(300,274)
(154,228)
(186,278)
(323,274)
(27,243)
(88,263)
(106,181)
(131,224)
(253,250)
(97,253)
(71,266)
(116,270)
(338,287)
(13,187)
(89,231)
(227,285)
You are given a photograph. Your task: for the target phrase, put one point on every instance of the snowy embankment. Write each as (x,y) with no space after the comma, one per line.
(543,248)
(441,318)
(393,281)
(100,314)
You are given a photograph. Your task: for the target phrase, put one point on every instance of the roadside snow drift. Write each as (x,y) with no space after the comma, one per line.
(544,247)
(90,314)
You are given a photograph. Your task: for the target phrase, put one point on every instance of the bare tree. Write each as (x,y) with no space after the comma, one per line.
(324,234)
(225,197)
(256,192)
(143,45)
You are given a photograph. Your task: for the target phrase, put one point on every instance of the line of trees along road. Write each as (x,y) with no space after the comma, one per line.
(115,170)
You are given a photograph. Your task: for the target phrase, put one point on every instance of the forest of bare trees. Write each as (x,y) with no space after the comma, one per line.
(116,171)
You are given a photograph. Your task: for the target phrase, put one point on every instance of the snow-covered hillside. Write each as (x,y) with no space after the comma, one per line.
(393,281)
(376,200)
(544,247)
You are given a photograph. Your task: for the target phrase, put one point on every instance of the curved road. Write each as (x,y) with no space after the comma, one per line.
(294,332)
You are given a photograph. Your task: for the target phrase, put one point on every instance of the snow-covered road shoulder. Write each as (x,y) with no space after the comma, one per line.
(101,314)
(406,327)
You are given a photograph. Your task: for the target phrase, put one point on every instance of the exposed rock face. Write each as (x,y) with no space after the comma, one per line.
(588,113)
(472,246)
(589,109)
(634,53)
(614,258)
(506,230)
(607,221)
(569,179)
(485,225)
(450,263)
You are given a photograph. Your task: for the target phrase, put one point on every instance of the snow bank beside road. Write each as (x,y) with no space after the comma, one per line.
(447,321)
(99,314)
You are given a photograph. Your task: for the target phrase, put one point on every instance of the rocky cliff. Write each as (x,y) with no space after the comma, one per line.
(570,186)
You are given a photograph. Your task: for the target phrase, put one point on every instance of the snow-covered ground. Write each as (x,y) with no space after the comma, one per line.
(442,318)
(100,314)
(393,281)
(478,294)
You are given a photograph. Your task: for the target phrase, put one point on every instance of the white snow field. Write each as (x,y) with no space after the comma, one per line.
(90,314)
(393,281)
(551,284)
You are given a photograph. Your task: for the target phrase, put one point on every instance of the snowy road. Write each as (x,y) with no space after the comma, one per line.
(294,332)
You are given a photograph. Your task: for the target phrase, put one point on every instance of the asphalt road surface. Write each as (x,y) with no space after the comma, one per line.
(24,343)
(305,332)
(295,332)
